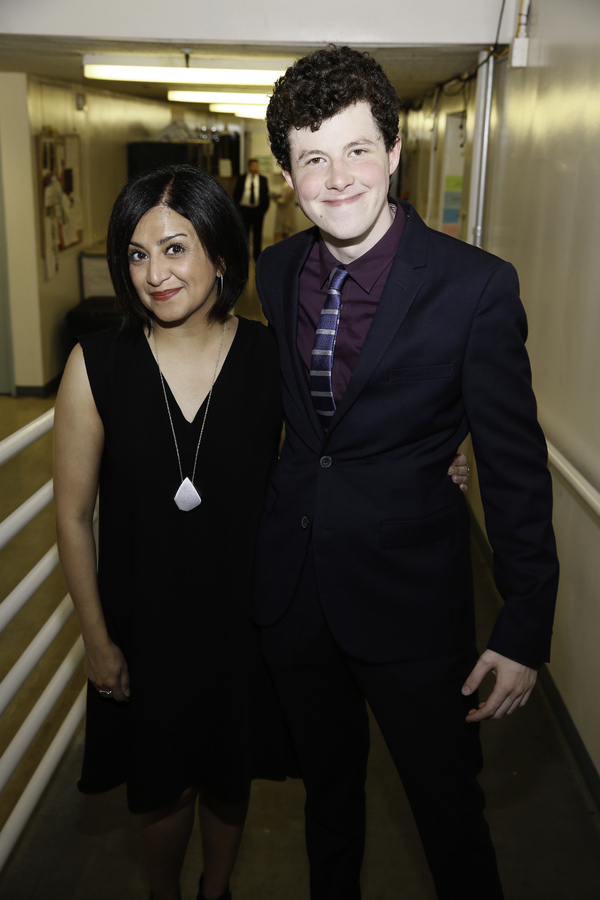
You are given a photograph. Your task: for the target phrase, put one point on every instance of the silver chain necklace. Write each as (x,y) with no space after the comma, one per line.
(187,497)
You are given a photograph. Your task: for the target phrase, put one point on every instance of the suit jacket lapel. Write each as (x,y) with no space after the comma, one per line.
(401,289)
(290,314)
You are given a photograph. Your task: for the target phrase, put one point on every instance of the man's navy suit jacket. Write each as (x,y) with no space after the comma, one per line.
(445,355)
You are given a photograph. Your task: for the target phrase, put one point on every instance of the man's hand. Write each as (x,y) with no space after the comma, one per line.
(514,683)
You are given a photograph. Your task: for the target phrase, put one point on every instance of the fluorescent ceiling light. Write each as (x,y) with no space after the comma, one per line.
(246,111)
(174,70)
(163,75)
(218,97)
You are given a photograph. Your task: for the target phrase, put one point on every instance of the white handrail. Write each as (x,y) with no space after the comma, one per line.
(23,809)
(25,436)
(18,597)
(29,659)
(27,511)
(17,748)
(13,681)
(572,476)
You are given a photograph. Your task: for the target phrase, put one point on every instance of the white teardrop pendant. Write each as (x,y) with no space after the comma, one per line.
(187,497)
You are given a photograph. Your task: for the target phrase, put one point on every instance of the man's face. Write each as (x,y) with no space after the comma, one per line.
(341,177)
(253,167)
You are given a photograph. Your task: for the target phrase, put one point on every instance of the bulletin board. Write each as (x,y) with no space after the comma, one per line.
(59,168)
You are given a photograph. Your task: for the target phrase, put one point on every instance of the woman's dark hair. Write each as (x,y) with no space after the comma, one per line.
(322,84)
(199,198)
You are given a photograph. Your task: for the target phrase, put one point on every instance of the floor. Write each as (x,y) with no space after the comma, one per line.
(544,824)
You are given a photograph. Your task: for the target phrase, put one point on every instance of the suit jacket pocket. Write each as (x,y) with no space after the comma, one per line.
(421,373)
(409,532)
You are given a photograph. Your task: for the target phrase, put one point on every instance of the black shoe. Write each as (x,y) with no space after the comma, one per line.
(226,895)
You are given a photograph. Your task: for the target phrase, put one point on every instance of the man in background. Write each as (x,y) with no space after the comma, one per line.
(251,194)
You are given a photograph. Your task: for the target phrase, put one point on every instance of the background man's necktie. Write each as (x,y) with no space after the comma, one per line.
(321,360)
(252,194)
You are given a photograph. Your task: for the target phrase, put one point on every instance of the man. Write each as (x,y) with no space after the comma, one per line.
(251,194)
(363,585)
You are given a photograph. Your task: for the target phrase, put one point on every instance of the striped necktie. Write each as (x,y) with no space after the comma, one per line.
(321,360)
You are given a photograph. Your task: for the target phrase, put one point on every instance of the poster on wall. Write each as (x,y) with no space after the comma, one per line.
(59,167)
(453,185)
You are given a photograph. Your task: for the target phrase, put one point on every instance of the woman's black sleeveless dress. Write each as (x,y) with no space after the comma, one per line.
(175,585)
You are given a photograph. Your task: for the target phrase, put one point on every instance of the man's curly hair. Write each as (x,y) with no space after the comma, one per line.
(322,84)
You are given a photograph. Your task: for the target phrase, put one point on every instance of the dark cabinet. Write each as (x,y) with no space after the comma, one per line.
(206,154)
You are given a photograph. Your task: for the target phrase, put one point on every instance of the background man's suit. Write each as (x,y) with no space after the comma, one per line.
(253,215)
(365,516)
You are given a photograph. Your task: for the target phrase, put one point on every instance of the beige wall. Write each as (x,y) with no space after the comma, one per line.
(20,230)
(542,214)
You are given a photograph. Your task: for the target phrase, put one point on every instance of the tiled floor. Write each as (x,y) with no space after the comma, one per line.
(545,827)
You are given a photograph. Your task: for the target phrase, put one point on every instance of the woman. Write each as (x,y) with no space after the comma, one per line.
(176,417)
(185,393)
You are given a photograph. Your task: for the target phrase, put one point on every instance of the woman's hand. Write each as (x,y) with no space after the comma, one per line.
(107,670)
(459,471)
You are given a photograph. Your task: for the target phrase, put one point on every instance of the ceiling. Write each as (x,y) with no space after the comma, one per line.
(414,71)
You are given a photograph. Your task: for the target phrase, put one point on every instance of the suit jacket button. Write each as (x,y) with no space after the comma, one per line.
(305,521)
(325,462)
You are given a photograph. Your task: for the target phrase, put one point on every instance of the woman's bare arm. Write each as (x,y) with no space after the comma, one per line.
(78,445)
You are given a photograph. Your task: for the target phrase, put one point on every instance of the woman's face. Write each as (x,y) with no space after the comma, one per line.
(174,278)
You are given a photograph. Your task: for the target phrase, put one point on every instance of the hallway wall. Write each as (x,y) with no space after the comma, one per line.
(423,143)
(542,202)
(544,198)
(20,288)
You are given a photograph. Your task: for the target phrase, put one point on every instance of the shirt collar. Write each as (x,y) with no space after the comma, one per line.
(367,268)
